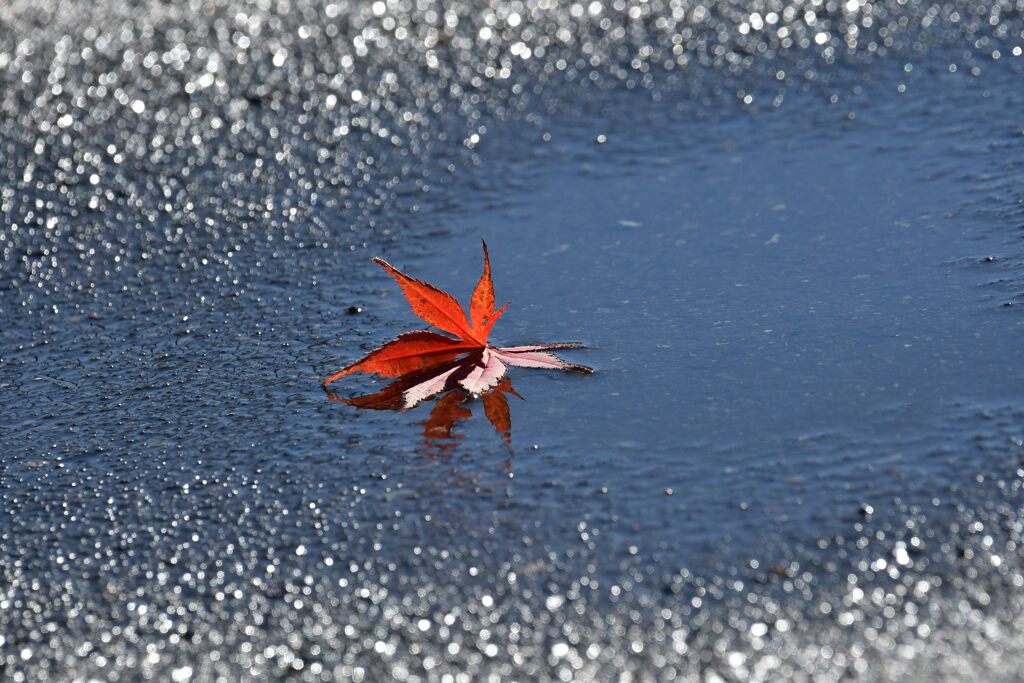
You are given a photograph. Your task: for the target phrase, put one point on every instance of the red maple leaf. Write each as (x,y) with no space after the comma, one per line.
(427,363)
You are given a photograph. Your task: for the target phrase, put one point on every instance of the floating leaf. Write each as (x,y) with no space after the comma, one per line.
(428,363)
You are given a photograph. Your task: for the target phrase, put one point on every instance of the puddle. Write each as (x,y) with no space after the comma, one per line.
(781,318)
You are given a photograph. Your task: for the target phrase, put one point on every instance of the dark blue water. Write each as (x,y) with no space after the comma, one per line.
(777,316)
(752,287)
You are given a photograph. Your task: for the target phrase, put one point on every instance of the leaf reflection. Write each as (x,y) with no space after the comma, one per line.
(450,407)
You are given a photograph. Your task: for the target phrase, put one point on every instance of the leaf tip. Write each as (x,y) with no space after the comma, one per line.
(330,378)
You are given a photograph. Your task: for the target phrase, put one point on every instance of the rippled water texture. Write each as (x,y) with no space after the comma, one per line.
(790,234)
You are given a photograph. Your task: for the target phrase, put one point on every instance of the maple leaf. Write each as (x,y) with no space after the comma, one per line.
(428,363)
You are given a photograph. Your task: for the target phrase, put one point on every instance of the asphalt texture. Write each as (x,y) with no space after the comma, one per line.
(189,197)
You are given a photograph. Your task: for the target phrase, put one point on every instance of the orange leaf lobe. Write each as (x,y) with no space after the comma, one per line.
(481,305)
(434,306)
